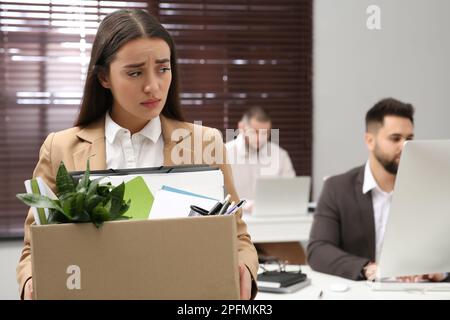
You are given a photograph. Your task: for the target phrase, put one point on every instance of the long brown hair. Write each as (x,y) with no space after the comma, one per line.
(115,30)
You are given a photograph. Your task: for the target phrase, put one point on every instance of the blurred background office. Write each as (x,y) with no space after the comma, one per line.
(314,65)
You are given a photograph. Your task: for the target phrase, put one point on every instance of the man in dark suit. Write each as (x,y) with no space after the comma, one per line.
(352,211)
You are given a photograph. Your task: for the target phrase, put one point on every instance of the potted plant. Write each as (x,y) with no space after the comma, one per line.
(84,200)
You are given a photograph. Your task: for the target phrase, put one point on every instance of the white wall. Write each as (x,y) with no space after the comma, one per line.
(409,59)
(9,256)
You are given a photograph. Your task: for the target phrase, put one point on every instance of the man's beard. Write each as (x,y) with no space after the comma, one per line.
(254,146)
(390,165)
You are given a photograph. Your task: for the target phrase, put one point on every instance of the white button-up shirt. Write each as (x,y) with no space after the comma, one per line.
(248,164)
(381,204)
(142,149)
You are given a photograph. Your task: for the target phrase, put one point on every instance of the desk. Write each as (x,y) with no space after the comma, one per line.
(279,229)
(358,290)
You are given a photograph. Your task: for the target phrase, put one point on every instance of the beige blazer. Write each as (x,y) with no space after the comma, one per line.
(75,145)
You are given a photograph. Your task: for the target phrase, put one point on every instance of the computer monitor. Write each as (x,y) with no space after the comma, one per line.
(417,236)
(277,196)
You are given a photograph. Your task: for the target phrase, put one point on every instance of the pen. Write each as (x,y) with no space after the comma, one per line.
(229,208)
(225,205)
(236,207)
(218,206)
(199,210)
(215,209)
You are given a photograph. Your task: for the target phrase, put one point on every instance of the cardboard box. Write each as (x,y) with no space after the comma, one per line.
(185,258)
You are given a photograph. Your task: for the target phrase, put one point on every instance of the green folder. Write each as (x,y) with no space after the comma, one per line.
(141,199)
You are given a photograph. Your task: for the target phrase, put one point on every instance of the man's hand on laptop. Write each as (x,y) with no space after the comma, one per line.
(433,277)
(370,271)
(436,277)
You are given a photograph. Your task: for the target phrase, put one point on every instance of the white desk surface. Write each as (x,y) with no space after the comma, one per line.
(279,229)
(358,290)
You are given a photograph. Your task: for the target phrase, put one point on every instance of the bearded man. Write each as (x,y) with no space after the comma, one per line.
(352,211)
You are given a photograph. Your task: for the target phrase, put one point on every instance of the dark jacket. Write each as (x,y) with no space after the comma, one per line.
(342,239)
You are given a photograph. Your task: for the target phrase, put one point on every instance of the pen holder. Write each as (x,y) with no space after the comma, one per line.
(197,211)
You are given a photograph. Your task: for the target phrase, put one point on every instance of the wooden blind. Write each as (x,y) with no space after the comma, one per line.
(235,54)
(44,55)
(232,54)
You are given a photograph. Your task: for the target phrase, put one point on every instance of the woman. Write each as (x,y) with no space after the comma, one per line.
(130,117)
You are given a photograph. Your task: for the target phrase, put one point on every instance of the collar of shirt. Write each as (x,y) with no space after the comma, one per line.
(370,182)
(152,129)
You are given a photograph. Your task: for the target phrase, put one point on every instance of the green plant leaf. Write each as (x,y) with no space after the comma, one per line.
(56,216)
(98,223)
(123,218)
(84,181)
(38,201)
(100,213)
(117,200)
(81,217)
(79,203)
(93,185)
(68,205)
(66,196)
(104,189)
(92,201)
(64,181)
(124,208)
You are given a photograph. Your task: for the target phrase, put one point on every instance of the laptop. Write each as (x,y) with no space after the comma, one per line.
(277,196)
(417,238)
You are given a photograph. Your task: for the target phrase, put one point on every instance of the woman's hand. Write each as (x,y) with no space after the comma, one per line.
(28,290)
(245,280)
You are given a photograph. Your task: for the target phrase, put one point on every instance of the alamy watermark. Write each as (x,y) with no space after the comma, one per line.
(374,19)
(207,147)
(73,281)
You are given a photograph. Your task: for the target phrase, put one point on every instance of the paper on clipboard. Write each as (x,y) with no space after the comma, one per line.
(208,183)
(175,203)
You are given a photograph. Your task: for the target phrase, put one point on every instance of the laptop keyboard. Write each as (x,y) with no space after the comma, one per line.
(408,286)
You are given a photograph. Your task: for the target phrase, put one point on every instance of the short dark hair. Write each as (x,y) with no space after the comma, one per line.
(388,107)
(257,113)
(117,29)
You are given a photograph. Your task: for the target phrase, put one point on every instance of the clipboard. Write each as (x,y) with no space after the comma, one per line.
(147,170)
